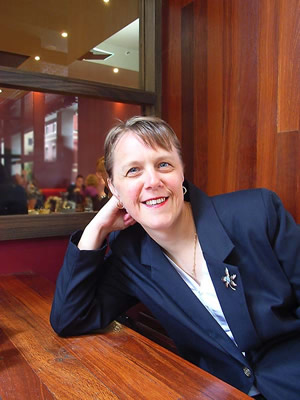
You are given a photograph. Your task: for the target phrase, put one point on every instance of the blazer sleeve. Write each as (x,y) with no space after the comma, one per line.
(92,289)
(284,236)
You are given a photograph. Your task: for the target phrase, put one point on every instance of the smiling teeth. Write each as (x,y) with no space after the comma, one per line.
(156,201)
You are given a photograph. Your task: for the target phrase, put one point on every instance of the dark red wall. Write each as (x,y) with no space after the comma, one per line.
(43,256)
(95,118)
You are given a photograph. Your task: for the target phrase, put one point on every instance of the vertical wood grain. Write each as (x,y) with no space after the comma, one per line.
(215,103)
(240,88)
(171,53)
(200,65)
(246,92)
(289,66)
(187,88)
(267,94)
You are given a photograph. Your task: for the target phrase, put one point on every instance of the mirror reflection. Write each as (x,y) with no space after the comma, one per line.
(97,42)
(51,151)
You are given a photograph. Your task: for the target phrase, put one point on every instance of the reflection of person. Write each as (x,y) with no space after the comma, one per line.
(95,190)
(20,179)
(102,174)
(76,190)
(34,196)
(13,199)
(221,273)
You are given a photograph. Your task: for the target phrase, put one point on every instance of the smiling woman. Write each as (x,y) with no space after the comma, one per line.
(189,258)
(145,171)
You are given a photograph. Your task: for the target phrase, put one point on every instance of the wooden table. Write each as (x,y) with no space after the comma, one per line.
(118,364)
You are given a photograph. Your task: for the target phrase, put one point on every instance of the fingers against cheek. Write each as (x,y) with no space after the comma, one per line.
(128,220)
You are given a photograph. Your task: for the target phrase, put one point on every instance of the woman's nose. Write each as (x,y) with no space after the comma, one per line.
(152,178)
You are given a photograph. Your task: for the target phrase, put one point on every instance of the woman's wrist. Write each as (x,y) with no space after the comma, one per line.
(93,236)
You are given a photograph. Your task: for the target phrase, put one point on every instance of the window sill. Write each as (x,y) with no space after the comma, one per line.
(14,227)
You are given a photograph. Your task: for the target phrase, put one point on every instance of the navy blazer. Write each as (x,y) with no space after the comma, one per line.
(250,233)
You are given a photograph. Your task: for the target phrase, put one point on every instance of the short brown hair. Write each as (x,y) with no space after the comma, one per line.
(100,166)
(153,131)
(91,180)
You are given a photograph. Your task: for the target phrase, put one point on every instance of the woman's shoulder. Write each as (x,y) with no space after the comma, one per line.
(254,209)
(248,200)
(245,199)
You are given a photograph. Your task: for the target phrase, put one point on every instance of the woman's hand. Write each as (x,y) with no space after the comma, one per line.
(110,218)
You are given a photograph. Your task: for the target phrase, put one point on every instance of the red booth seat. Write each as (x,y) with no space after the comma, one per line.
(47,192)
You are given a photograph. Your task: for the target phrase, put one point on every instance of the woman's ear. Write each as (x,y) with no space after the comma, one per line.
(112,188)
(182,178)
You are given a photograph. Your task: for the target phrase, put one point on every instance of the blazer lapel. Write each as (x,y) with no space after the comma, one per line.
(233,303)
(217,246)
(176,293)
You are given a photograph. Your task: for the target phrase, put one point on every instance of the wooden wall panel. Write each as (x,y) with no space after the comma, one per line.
(289,66)
(267,94)
(199,152)
(215,103)
(187,88)
(171,64)
(246,92)
(240,62)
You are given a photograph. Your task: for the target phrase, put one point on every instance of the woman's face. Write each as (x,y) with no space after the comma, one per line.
(79,182)
(148,182)
(100,179)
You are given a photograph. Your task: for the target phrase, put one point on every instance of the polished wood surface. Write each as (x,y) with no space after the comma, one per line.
(117,364)
(245,85)
(42,225)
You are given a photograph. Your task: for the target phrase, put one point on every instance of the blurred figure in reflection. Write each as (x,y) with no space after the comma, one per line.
(95,190)
(20,179)
(102,174)
(13,199)
(76,190)
(35,198)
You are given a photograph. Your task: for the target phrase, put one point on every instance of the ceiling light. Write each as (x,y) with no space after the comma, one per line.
(116,70)
(1,90)
(64,34)
(37,58)
(105,1)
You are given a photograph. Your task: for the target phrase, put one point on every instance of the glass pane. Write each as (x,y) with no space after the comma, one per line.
(92,40)
(47,139)
(28,143)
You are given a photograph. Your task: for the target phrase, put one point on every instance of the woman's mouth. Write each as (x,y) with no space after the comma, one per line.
(155,202)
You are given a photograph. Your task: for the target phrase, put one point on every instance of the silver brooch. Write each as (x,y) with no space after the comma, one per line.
(229,279)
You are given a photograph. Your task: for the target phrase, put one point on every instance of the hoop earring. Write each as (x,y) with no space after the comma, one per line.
(184,190)
(120,205)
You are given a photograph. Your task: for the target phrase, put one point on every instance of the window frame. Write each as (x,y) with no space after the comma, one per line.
(15,227)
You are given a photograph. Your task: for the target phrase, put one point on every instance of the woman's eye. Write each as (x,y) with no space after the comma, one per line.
(164,164)
(132,171)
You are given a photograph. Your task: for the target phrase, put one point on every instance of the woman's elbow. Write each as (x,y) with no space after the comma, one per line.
(56,326)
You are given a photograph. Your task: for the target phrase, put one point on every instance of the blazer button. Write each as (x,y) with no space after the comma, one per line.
(247,372)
